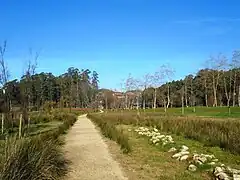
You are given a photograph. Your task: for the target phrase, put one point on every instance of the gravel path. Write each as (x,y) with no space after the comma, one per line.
(89,155)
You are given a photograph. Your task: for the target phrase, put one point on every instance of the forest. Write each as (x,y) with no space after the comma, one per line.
(218,84)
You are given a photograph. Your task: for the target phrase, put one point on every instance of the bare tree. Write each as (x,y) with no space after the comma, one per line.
(157,79)
(235,64)
(4,76)
(146,82)
(26,88)
(227,81)
(128,87)
(168,73)
(182,99)
(216,64)
(4,73)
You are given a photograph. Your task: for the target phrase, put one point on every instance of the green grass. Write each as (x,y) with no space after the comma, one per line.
(208,133)
(38,156)
(219,112)
(110,131)
(153,162)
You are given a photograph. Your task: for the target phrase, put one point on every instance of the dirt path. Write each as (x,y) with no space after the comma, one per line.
(89,154)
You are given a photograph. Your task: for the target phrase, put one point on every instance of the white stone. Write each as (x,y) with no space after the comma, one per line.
(222,176)
(218,170)
(184,157)
(177,155)
(235,171)
(184,148)
(173,149)
(212,163)
(192,167)
(180,154)
(198,162)
(236,177)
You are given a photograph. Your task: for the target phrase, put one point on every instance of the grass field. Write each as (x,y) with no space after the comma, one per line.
(38,153)
(217,112)
(208,131)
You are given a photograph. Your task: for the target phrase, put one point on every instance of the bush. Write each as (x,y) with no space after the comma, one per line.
(211,132)
(110,131)
(35,157)
(32,158)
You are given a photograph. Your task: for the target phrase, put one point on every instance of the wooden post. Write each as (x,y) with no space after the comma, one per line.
(20,127)
(28,121)
(182,102)
(2,123)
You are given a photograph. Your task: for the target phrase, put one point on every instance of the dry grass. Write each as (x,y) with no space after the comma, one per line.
(148,162)
(223,133)
(36,157)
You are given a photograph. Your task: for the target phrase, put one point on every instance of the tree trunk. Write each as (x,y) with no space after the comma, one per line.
(2,123)
(138,113)
(155,98)
(126,102)
(77,95)
(182,103)
(165,106)
(226,91)
(214,93)
(239,95)
(234,88)
(206,93)
(186,95)
(168,96)
(144,104)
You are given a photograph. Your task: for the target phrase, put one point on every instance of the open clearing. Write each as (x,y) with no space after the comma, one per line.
(88,154)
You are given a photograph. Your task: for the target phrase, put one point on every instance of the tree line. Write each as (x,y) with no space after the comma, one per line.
(74,88)
(217,84)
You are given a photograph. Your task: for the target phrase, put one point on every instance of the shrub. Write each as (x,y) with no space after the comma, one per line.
(35,157)
(32,158)
(110,131)
(211,132)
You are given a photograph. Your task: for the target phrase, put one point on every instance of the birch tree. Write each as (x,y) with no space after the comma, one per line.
(146,82)
(235,65)
(216,65)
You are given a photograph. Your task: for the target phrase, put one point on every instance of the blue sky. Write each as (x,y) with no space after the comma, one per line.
(118,37)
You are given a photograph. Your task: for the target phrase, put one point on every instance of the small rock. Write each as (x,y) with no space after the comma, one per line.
(184,157)
(212,163)
(173,149)
(180,154)
(203,159)
(215,160)
(236,177)
(198,162)
(235,171)
(192,167)
(222,176)
(184,148)
(218,170)
(177,155)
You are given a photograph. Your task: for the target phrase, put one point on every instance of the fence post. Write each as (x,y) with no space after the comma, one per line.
(20,127)
(2,122)
(29,121)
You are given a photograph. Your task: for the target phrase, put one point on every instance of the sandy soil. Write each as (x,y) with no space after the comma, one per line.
(89,155)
